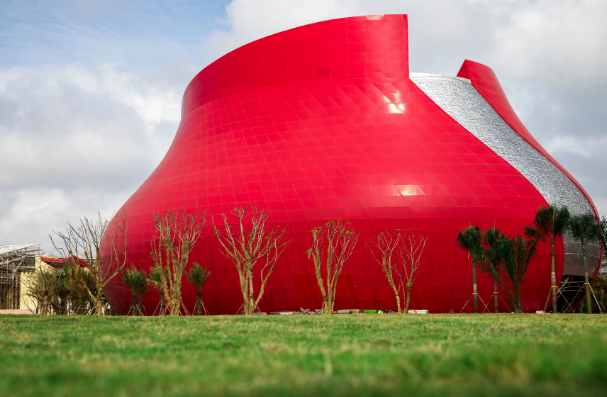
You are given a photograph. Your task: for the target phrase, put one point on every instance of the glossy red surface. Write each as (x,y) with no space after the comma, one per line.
(322,122)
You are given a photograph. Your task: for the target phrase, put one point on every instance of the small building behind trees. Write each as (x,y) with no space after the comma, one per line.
(14,261)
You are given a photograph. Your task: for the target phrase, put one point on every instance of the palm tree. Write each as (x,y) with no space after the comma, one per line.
(549,224)
(585,228)
(470,239)
(198,277)
(62,292)
(516,253)
(136,282)
(155,279)
(79,281)
(492,258)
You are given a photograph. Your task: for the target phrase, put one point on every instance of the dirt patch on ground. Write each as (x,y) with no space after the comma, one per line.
(15,311)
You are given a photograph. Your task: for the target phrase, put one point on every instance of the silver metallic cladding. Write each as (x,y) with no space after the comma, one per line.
(460,100)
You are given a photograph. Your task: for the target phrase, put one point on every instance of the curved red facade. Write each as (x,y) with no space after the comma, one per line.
(323,122)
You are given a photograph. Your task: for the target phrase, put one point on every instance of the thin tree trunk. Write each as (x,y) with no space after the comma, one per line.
(244,289)
(330,307)
(518,307)
(99,298)
(176,294)
(162,304)
(330,301)
(99,301)
(586,280)
(397,300)
(495,292)
(133,305)
(408,299)
(553,280)
(198,309)
(171,304)
(251,301)
(474,290)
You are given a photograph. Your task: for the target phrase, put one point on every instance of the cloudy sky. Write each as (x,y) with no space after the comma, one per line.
(90,90)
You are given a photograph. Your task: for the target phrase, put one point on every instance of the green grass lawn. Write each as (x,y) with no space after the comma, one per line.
(368,354)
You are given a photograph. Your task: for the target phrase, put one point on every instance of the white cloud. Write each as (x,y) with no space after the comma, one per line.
(561,42)
(249,20)
(557,42)
(81,138)
(29,215)
(81,123)
(574,145)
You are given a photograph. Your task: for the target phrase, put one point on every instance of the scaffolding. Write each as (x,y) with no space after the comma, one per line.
(570,293)
(15,260)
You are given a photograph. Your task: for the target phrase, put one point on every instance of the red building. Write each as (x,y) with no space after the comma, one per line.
(325,121)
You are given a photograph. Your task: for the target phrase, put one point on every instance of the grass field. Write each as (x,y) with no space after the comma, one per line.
(370,354)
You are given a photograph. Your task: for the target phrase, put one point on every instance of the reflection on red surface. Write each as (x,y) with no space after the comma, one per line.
(322,122)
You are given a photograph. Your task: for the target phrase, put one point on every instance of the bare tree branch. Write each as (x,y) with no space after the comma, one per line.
(332,245)
(176,234)
(245,249)
(85,242)
(411,253)
(382,248)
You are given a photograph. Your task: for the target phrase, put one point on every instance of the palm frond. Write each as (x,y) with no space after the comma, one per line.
(197,276)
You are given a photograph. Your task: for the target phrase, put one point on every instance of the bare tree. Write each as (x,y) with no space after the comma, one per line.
(332,245)
(382,248)
(413,248)
(85,241)
(176,234)
(246,248)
